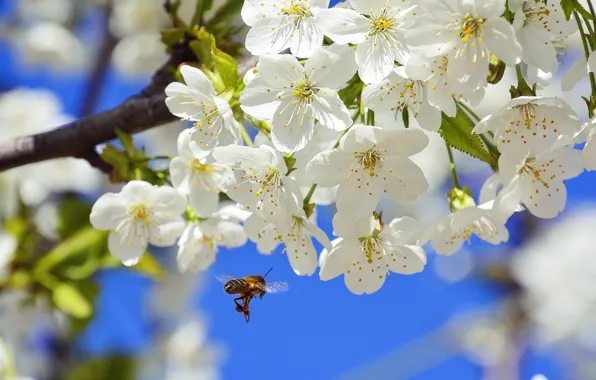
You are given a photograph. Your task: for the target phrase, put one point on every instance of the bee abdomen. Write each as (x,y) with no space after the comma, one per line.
(236,286)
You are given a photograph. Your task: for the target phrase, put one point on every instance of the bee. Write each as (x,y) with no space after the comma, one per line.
(250,287)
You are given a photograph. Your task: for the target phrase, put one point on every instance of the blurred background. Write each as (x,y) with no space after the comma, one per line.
(505,312)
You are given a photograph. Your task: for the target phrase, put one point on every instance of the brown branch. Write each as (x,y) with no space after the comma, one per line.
(78,139)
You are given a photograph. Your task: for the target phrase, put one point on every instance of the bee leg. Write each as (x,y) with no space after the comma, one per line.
(247,315)
(236,301)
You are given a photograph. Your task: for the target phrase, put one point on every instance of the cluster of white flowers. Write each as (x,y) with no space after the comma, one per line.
(417,59)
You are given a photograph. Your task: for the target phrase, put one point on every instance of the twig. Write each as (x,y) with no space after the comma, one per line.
(140,112)
(102,63)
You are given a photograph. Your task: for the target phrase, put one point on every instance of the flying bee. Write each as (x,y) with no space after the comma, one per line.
(250,287)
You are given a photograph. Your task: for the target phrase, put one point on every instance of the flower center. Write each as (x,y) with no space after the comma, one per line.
(471,28)
(140,213)
(535,13)
(200,168)
(381,23)
(270,177)
(370,159)
(208,240)
(371,246)
(298,10)
(528,114)
(532,168)
(303,91)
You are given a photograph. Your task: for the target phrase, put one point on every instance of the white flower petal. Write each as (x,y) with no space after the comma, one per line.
(127,247)
(331,66)
(329,168)
(409,259)
(343,26)
(374,59)
(108,211)
(306,39)
(338,260)
(292,127)
(330,110)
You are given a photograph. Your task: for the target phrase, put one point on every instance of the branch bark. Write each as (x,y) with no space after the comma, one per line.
(79,138)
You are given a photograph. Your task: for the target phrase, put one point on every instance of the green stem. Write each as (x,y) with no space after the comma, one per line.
(198,15)
(593,15)
(362,120)
(370,117)
(310,193)
(590,32)
(453,169)
(245,136)
(153,158)
(586,50)
(467,109)
(138,174)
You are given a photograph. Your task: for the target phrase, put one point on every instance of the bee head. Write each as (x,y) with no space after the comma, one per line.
(228,288)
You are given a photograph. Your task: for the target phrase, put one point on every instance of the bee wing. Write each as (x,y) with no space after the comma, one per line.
(223,278)
(276,287)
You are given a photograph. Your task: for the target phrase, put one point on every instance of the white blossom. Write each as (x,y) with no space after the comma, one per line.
(539,181)
(196,176)
(278,25)
(196,100)
(368,162)
(364,254)
(528,123)
(400,94)
(440,91)
(259,181)
(468,31)
(295,233)
(8,246)
(556,271)
(293,95)
(323,138)
(448,233)
(199,243)
(377,27)
(139,54)
(537,24)
(140,214)
(51,44)
(38,181)
(134,16)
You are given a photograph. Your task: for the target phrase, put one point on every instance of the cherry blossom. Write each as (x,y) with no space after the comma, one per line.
(196,100)
(399,94)
(293,95)
(377,27)
(539,181)
(467,31)
(530,123)
(278,25)
(200,240)
(259,181)
(295,232)
(448,233)
(537,24)
(368,162)
(196,176)
(366,252)
(140,214)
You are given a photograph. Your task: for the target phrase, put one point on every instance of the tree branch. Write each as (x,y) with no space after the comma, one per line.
(79,138)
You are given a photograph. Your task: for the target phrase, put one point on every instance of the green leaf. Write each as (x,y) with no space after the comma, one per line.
(150,267)
(567,8)
(350,93)
(457,132)
(580,8)
(71,301)
(172,36)
(119,161)
(78,243)
(225,66)
(203,50)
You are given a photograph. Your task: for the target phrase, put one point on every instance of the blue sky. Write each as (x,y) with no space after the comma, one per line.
(317,330)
